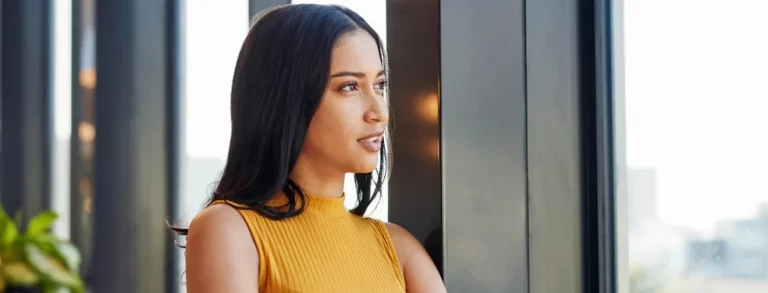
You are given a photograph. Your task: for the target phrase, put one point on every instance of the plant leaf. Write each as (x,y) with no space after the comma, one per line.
(2,282)
(19,273)
(52,288)
(18,218)
(41,223)
(10,233)
(47,242)
(3,214)
(69,255)
(3,231)
(65,251)
(50,268)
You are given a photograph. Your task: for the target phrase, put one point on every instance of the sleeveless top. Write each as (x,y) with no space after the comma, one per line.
(324,249)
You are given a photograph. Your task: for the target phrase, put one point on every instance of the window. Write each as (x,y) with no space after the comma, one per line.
(211,29)
(694,106)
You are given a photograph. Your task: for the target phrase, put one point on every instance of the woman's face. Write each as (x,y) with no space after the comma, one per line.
(347,131)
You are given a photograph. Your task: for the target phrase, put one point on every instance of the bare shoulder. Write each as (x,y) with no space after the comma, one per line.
(403,240)
(221,255)
(420,272)
(219,220)
(217,214)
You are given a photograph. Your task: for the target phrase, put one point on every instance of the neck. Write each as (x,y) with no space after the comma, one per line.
(318,181)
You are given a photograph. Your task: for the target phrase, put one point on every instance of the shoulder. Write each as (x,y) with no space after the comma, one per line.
(404,242)
(420,272)
(401,241)
(220,252)
(220,226)
(218,221)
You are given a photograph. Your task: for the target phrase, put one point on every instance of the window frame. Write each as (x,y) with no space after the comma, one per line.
(604,239)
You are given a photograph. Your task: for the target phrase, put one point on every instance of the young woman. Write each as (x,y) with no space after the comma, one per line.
(308,106)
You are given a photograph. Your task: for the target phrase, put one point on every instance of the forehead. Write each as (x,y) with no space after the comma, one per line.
(356,51)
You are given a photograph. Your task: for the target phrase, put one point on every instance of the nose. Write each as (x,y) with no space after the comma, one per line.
(378,111)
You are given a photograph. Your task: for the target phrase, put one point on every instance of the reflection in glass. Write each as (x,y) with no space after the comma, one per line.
(696,149)
(82,126)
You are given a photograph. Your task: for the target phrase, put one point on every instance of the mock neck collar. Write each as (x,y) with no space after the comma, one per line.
(316,204)
(325,205)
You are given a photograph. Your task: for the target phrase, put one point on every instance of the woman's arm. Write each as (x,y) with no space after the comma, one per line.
(221,255)
(421,275)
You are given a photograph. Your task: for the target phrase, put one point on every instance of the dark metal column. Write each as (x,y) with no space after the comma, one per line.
(26,105)
(554,151)
(132,146)
(483,125)
(415,190)
(598,135)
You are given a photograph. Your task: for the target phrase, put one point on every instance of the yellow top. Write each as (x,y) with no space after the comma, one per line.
(325,249)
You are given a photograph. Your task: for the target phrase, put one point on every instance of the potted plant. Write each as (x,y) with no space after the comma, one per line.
(35,260)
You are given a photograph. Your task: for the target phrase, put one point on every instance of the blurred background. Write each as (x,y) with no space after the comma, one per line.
(540,146)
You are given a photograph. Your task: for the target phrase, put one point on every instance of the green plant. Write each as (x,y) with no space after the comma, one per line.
(36,257)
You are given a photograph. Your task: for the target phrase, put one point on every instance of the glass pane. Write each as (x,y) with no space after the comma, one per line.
(211,29)
(375,13)
(84,129)
(695,105)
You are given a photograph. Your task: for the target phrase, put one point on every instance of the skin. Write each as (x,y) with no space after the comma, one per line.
(220,254)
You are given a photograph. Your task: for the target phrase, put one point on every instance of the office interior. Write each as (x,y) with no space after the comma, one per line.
(570,146)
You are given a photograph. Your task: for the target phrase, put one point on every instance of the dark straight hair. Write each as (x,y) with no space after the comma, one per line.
(281,75)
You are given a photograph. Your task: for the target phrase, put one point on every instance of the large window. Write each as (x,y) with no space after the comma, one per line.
(695,105)
(213,33)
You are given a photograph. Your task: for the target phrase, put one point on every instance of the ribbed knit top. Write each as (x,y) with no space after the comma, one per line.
(324,249)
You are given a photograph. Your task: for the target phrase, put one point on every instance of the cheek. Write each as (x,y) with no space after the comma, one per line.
(332,128)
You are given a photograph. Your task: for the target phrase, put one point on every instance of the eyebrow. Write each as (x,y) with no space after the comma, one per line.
(355,74)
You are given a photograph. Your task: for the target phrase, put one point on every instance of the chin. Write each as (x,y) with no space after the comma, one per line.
(366,165)
(361,169)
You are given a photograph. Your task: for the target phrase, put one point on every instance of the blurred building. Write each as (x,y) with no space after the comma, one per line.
(739,250)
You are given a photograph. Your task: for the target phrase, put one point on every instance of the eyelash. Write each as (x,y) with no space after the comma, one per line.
(382,85)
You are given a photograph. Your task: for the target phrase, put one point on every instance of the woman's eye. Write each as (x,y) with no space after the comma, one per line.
(381,85)
(349,87)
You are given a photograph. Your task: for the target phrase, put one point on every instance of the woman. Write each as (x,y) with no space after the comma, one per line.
(308,106)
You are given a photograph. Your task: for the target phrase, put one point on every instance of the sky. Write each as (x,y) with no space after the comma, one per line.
(696,96)
(697,105)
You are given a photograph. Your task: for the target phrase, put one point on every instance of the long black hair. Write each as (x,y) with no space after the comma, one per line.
(281,75)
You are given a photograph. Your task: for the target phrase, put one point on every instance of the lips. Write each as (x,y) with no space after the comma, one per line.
(372,142)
